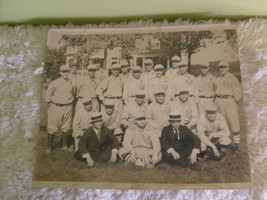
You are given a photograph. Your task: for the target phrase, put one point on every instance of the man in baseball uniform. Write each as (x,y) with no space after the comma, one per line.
(82,120)
(60,96)
(141,146)
(97,143)
(100,73)
(184,79)
(159,82)
(125,74)
(175,68)
(133,109)
(148,73)
(187,109)
(111,87)
(178,143)
(133,84)
(228,93)
(111,119)
(206,89)
(213,131)
(157,113)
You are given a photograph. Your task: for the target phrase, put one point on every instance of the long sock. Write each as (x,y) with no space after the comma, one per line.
(64,139)
(236,137)
(50,140)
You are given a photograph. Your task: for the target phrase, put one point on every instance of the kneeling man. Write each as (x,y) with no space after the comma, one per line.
(97,143)
(213,131)
(178,143)
(140,145)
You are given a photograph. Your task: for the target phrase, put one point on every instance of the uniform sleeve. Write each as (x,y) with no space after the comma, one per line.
(76,126)
(193,121)
(50,92)
(201,133)
(125,115)
(126,93)
(224,128)
(102,87)
(150,118)
(237,90)
(116,121)
(195,90)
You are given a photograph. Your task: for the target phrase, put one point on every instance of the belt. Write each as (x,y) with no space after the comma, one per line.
(202,96)
(118,97)
(222,96)
(60,105)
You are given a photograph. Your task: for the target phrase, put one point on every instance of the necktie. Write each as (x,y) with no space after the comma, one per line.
(98,135)
(177,134)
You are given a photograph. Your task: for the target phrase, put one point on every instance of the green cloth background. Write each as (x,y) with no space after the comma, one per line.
(94,11)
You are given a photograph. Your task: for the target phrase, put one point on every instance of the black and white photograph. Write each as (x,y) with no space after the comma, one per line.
(142,108)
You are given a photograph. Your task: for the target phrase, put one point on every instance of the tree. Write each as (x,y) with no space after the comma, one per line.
(231,37)
(192,41)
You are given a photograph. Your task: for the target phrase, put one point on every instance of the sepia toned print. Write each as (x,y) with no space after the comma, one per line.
(142,108)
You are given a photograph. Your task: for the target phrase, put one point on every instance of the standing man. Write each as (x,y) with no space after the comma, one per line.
(178,143)
(133,109)
(148,73)
(111,87)
(141,146)
(159,82)
(175,68)
(60,96)
(206,89)
(86,87)
(125,74)
(133,84)
(158,112)
(97,143)
(228,93)
(184,79)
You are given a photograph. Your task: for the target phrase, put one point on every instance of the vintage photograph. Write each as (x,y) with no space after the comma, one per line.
(142,108)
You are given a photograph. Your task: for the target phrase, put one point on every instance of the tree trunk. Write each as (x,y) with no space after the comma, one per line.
(189,61)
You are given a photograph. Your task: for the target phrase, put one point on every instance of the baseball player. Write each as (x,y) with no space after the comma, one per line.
(228,92)
(148,72)
(82,120)
(159,82)
(133,84)
(206,89)
(158,112)
(124,71)
(111,119)
(111,87)
(140,145)
(133,109)
(60,95)
(187,109)
(97,143)
(86,87)
(100,73)
(213,131)
(184,79)
(174,71)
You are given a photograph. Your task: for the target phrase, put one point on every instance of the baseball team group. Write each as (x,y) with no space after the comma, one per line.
(143,115)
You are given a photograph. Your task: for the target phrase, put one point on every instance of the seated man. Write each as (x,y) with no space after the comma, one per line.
(140,146)
(178,143)
(82,120)
(213,131)
(111,119)
(133,109)
(97,143)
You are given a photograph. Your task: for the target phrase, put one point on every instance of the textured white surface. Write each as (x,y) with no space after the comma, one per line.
(22,51)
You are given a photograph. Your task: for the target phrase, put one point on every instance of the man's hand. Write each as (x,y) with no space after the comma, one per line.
(175,155)
(193,156)
(89,160)
(113,157)
(215,151)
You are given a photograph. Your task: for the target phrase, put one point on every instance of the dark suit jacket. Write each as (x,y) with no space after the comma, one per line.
(89,142)
(187,138)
